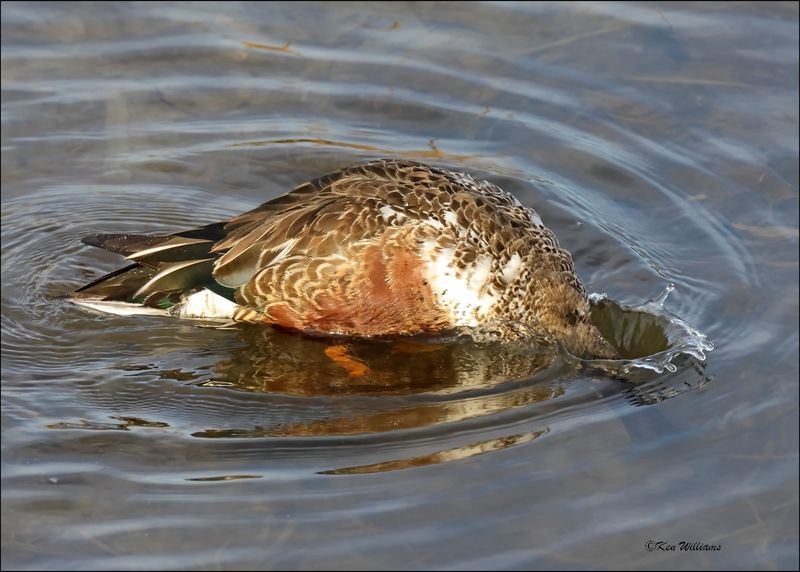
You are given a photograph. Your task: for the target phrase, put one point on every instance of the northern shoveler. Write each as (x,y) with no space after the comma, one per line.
(385,248)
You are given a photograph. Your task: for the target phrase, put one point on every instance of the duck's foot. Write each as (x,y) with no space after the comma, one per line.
(338,354)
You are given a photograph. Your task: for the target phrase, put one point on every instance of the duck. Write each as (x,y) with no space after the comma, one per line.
(383,249)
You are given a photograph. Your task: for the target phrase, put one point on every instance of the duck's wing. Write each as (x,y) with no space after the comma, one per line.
(317,217)
(323,216)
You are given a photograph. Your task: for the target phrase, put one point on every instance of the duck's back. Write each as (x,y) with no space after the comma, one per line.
(389,247)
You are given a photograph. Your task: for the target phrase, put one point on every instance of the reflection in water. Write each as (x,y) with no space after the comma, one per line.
(284,48)
(453,454)
(274,361)
(411,416)
(224,478)
(125,425)
(433,381)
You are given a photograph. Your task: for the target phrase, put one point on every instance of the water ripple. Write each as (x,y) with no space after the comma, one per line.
(658,142)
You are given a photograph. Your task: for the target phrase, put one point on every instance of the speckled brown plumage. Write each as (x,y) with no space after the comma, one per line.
(393,248)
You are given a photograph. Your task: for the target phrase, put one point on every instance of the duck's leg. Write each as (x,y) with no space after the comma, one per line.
(338,354)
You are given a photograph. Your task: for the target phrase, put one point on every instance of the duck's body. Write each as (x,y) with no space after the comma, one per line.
(380,249)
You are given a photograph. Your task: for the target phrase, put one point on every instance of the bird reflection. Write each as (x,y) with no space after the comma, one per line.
(349,387)
(431,381)
(453,454)
(273,361)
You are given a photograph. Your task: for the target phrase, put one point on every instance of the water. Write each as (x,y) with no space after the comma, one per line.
(659,142)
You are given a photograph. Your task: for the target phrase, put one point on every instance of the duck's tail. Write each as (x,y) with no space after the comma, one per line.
(167,273)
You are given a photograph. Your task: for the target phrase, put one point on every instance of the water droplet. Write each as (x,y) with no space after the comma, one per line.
(661,298)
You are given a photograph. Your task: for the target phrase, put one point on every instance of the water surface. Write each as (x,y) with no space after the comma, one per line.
(659,142)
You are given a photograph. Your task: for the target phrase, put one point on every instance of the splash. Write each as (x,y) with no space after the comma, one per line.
(647,336)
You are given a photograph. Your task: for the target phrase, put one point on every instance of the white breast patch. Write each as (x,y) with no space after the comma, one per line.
(467,296)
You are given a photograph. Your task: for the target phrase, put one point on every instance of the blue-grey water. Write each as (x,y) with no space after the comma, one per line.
(658,141)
